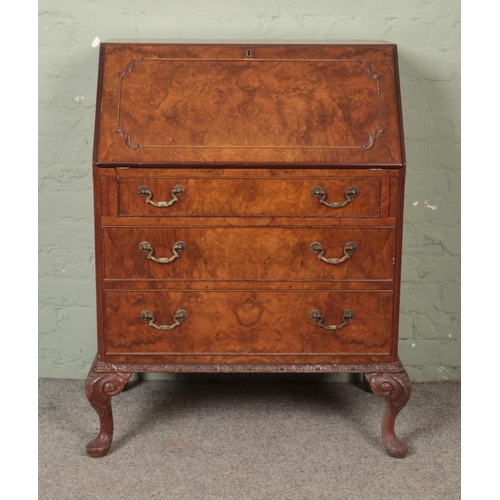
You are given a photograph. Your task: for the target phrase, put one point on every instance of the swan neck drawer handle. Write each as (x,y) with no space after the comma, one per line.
(319,192)
(180,315)
(178,248)
(348,250)
(177,191)
(348,315)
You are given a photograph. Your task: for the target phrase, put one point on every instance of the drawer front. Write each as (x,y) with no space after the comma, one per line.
(355,197)
(236,323)
(246,253)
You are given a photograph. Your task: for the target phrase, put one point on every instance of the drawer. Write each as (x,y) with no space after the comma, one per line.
(350,197)
(233,323)
(248,253)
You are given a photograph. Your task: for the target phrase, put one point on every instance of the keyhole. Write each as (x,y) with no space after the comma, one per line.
(249,53)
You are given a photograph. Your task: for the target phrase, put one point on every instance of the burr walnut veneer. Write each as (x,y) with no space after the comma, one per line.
(248,215)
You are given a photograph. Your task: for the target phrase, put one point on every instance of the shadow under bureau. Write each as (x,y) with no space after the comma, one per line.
(248,215)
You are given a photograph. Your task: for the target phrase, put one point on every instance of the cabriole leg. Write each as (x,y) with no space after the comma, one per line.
(99,389)
(396,389)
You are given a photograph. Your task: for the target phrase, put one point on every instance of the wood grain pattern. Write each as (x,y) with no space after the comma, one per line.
(233,323)
(175,103)
(250,197)
(222,253)
(287,104)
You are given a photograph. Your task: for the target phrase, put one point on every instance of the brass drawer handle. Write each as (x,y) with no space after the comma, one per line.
(180,315)
(175,193)
(348,250)
(316,316)
(178,248)
(319,192)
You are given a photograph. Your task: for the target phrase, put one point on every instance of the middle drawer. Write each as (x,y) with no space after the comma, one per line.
(248,253)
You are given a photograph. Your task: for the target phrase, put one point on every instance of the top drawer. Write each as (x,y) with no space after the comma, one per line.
(323,197)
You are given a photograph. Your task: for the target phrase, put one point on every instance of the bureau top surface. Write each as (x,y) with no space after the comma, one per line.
(248,103)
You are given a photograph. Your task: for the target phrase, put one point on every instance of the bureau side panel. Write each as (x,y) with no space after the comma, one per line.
(399,203)
(102,179)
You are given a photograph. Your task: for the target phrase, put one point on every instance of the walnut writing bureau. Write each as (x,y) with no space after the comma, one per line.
(248,214)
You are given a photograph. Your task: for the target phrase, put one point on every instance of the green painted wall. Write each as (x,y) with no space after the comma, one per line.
(428,36)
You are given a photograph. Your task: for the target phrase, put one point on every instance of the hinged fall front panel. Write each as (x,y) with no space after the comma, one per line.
(249,104)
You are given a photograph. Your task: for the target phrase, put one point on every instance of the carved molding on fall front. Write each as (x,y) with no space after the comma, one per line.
(372,138)
(127,137)
(127,70)
(368,69)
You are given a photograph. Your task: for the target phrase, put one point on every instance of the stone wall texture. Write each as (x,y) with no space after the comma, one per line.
(428,36)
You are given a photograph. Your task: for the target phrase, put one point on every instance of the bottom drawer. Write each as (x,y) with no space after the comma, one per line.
(248,322)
